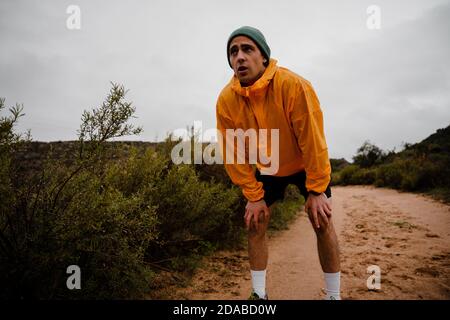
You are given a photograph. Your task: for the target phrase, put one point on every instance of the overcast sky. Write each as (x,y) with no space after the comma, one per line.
(389,85)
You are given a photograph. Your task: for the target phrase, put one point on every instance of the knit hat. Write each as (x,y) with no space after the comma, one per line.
(253,34)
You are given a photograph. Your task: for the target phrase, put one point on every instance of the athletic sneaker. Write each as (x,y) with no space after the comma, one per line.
(254,296)
(329,297)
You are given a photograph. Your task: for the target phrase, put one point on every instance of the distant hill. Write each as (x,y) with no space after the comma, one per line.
(338,164)
(437,142)
(34,153)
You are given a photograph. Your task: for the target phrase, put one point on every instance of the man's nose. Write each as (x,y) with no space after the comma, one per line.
(240,56)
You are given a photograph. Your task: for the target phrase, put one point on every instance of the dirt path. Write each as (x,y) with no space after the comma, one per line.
(406,235)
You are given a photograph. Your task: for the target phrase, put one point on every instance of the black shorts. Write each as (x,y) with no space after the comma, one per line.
(274,186)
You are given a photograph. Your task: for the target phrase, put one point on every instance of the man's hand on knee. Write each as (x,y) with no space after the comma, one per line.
(318,209)
(253,212)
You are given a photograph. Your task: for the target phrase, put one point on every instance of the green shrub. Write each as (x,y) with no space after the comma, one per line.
(368,155)
(70,214)
(389,175)
(363,176)
(430,175)
(114,217)
(338,164)
(420,167)
(410,174)
(346,175)
(440,193)
(192,210)
(106,234)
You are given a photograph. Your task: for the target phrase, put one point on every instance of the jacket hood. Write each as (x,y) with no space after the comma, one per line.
(260,84)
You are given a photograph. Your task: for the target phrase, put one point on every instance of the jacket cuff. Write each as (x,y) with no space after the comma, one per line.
(254,195)
(317,185)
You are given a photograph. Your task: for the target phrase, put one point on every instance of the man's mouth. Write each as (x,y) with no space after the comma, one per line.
(242,68)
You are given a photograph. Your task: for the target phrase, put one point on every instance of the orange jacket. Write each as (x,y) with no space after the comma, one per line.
(282,100)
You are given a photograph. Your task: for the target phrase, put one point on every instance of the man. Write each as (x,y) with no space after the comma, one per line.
(262,95)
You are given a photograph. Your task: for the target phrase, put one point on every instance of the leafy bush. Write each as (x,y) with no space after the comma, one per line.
(71,215)
(106,233)
(368,155)
(338,164)
(190,212)
(345,176)
(352,174)
(389,175)
(410,175)
(115,218)
(364,176)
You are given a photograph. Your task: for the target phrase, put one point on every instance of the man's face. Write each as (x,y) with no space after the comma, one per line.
(246,59)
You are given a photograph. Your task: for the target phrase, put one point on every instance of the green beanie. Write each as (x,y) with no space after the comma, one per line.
(253,34)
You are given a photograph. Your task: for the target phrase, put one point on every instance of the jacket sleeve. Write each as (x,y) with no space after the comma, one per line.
(307,122)
(242,175)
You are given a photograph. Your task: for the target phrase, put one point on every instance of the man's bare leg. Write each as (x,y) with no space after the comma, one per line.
(328,247)
(257,245)
(258,255)
(257,249)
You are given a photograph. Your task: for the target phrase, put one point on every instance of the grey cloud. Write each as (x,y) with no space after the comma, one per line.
(388,86)
(392,88)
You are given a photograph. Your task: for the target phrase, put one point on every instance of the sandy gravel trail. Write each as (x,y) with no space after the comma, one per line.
(406,235)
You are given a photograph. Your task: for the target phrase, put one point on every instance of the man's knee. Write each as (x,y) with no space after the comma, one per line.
(256,235)
(260,232)
(325,228)
(263,225)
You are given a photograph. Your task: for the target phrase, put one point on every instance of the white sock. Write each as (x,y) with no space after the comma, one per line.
(333,284)
(259,282)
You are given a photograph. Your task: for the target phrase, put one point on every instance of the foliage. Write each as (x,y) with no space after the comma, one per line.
(368,155)
(338,164)
(423,167)
(71,215)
